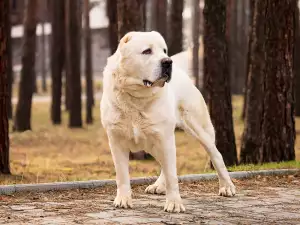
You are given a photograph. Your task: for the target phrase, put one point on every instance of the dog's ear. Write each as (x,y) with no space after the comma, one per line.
(126,38)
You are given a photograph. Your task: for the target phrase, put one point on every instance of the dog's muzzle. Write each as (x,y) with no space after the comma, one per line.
(166,73)
(166,66)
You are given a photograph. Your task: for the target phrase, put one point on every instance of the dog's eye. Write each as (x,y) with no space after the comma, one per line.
(165,51)
(147,51)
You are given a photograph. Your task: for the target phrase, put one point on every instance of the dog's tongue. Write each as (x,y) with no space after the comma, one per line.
(159,83)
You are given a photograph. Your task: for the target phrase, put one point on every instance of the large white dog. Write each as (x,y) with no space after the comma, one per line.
(144,97)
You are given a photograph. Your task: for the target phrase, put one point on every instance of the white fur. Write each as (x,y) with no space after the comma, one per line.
(137,117)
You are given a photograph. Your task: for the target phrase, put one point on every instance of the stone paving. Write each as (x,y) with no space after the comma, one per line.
(259,201)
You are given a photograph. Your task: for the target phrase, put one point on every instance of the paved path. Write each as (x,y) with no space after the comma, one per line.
(260,201)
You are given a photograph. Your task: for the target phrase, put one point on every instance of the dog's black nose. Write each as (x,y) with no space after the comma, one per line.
(166,62)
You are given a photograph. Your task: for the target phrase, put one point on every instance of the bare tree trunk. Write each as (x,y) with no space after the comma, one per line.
(88,65)
(9,63)
(296,61)
(252,138)
(73,46)
(217,78)
(195,34)
(43,58)
(57,57)
(66,84)
(4,94)
(23,111)
(111,10)
(159,16)
(176,23)
(144,14)
(35,86)
(232,42)
(269,134)
(278,128)
(239,49)
(67,65)
(130,18)
(248,60)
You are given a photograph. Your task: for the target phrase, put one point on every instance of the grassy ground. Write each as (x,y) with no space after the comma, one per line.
(40,92)
(56,153)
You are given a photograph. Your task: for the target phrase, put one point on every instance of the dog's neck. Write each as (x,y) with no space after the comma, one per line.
(135,96)
(127,90)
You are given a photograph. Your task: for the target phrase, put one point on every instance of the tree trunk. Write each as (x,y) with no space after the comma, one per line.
(159,16)
(43,20)
(248,60)
(252,139)
(35,87)
(278,127)
(217,78)
(111,10)
(195,34)
(66,83)
(67,65)
(43,58)
(57,57)
(130,18)
(240,49)
(296,61)
(232,41)
(73,46)
(88,65)
(4,81)
(23,112)
(237,39)
(144,14)
(176,37)
(9,62)
(269,134)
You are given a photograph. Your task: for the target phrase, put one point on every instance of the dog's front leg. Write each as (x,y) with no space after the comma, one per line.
(167,159)
(121,162)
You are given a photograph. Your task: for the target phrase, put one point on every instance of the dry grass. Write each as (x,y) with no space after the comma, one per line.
(56,153)
(97,87)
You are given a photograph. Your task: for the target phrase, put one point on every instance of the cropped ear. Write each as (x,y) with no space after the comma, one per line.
(126,38)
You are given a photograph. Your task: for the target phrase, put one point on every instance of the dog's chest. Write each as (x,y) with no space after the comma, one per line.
(135,125)
(137,130)
(137,133)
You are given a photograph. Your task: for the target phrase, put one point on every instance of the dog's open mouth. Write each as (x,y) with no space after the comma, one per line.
(158,83)
(147,83)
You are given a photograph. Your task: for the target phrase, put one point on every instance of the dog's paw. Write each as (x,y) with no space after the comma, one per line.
(175,206)
(227,189)
(159,189)
(123,202)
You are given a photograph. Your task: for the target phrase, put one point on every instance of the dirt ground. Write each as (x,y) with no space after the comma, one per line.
(263,200)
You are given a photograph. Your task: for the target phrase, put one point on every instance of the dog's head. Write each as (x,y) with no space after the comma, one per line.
(143,57)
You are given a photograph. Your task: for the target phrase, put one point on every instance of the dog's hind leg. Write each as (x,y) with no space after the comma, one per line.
(206,135)
(159,187)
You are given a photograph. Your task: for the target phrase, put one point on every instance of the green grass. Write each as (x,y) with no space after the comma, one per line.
(266,166)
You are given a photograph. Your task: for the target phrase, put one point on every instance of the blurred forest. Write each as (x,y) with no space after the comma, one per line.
(241,54)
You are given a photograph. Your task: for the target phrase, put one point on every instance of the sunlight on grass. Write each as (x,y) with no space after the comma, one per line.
(56,153)
(266,166)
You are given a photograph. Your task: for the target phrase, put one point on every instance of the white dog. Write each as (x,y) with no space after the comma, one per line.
(144,97)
